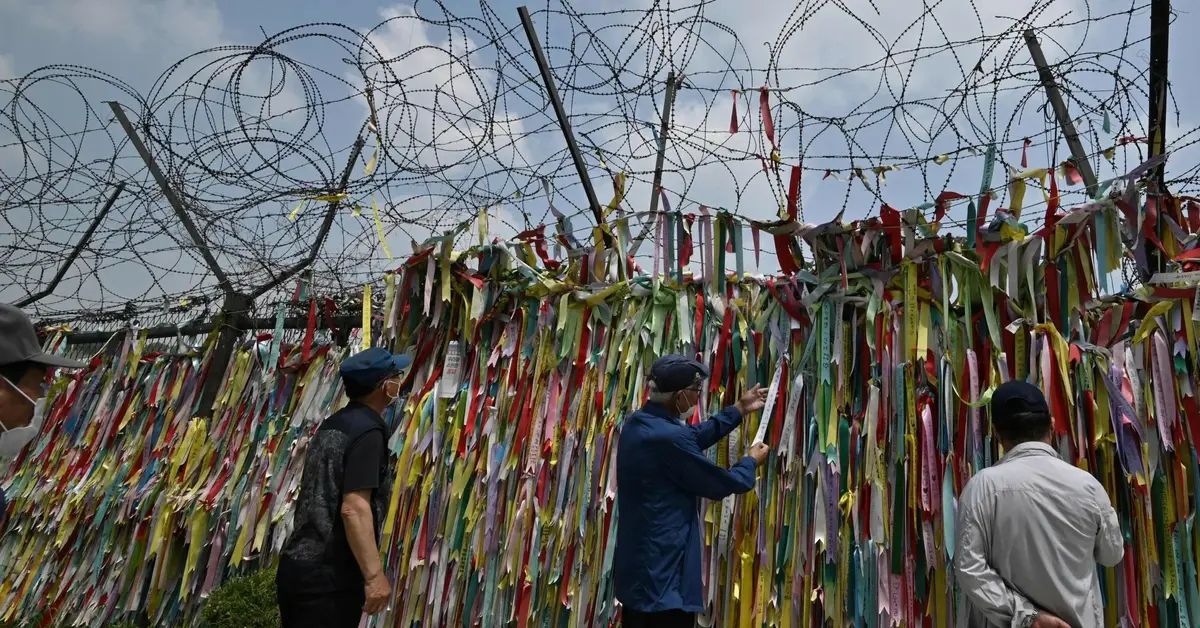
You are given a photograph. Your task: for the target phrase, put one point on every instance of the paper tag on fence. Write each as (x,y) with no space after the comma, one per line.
(448,386)
(1165,278)
(769,409)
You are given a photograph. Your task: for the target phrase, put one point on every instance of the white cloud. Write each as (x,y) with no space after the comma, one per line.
(846,64)
(133,40)
(436,102)
(136,25)
(458,135)
(856,60)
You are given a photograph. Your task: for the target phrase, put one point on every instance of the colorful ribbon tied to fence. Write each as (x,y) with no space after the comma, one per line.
(880,359)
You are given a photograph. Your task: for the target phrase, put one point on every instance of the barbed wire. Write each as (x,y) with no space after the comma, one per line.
(452,116)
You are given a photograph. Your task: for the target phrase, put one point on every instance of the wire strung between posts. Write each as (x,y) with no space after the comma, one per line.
(254,137)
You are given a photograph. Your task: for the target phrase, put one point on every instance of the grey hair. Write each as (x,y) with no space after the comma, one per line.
(658,396)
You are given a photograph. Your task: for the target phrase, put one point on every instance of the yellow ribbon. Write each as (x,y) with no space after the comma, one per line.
(1146,327)
(618,193)
(1017,187)
(366,317)
(371,163)
(379,229)
(331,198)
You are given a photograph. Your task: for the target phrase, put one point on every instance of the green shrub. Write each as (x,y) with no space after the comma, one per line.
(245,602)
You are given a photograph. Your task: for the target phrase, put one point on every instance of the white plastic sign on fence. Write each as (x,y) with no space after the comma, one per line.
(448,387)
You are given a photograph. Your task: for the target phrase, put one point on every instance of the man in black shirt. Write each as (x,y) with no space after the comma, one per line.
(330,571)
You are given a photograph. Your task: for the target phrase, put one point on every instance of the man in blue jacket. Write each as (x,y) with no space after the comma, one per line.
(662,473)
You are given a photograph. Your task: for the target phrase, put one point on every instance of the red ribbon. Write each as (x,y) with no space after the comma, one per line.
(733,118)
(1085,293)
(793,193)
(989,251)
(1193,214)
(776,426)
(789,305)
(686,246)
(1051,218)
(891,224)
(783,250)
(984,203)
(416,259)
(754,237)
(768,126)
(942,204)
(1053,303)
(472,412)
(1071,173)
(719,362)
(309,330)
(330,308)
(1126,316)
(841,247)
(537,237)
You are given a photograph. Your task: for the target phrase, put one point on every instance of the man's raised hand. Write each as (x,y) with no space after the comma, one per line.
(752,400)
(759,452)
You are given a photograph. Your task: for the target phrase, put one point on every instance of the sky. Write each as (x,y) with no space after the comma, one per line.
(869,84)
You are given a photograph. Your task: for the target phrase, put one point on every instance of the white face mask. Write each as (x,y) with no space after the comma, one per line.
(12,441)
(687,413)
(392,388)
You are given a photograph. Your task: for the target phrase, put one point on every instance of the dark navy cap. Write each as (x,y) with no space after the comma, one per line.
(373,365)
(1016,397)
(672,373)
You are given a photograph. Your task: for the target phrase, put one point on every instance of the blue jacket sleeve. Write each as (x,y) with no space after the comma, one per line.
(692,472)
(719,426)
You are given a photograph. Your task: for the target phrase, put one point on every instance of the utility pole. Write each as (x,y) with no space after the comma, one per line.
(326,225)
(668,103)
(1060,112)
(235,306)
(671,226)
(172,199)
(1160,32)
(535,46)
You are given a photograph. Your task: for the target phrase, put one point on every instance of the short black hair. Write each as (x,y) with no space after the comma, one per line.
(1022,427)
(16,371)
(357,389)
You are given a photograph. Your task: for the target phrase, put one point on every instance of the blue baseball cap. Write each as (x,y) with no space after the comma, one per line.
(373,365)
(672,373)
